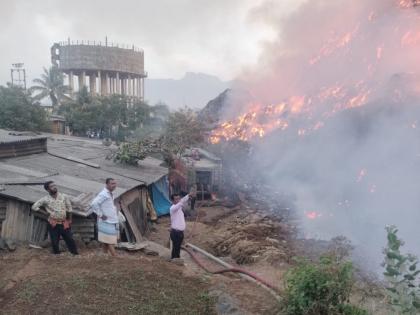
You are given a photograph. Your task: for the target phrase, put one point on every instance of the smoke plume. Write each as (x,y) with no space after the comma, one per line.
(332,113)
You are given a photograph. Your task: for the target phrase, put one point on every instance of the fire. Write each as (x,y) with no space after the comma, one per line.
(379,51)
(372,189)
(296,103)
(305,113)
(362,174)
(408,3)
(312,215)
(333,44)
(410,38)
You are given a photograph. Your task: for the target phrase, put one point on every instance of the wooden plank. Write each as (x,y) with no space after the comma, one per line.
(133,225)
(132,246)
(74,159)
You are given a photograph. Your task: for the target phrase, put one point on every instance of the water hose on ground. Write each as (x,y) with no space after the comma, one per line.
(190,248)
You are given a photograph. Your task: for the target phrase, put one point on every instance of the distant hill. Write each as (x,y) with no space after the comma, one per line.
(193,90)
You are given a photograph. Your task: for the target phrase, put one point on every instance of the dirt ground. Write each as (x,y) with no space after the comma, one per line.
(32,281)
(263,243)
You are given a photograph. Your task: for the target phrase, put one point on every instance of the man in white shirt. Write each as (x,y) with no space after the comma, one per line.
(177,222)
(108,223)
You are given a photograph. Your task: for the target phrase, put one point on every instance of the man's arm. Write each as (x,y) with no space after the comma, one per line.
(96,205)
(182,203)
(40,203)
(69,208)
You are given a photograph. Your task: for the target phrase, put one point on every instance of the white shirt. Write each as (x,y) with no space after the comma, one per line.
(103,204)
(177,215)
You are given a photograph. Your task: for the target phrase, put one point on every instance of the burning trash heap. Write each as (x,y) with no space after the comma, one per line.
(332,115)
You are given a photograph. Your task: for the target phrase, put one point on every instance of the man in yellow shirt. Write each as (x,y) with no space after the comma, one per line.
(58,207)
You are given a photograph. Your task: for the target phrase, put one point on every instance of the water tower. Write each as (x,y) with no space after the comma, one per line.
(104,68)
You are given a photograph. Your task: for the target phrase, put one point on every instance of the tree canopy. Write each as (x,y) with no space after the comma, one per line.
(182,130)
(51,84)
(19,111)
(111,116)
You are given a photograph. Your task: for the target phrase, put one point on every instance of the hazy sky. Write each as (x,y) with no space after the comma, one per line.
(213,36)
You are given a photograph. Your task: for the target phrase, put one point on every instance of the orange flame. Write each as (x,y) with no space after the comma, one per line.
(312,215)
(262,119)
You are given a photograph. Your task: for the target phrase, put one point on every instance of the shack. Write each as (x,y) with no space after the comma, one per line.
(199,168)
(57,124)
(79,167)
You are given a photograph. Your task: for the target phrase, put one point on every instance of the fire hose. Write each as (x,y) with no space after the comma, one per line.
(189,248)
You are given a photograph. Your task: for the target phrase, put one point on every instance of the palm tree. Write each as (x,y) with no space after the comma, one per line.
(51,84)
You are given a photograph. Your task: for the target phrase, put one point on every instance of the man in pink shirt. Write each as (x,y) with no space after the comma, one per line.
(177,222)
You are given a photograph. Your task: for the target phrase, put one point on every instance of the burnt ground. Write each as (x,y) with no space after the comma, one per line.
(264,242)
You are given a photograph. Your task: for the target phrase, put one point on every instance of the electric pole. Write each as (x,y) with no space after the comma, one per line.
(18,75)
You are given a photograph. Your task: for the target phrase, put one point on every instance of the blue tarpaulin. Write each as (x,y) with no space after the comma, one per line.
(160,194)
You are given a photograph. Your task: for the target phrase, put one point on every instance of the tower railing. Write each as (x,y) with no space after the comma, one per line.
(99,43)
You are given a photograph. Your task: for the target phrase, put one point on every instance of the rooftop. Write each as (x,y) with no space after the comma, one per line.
(78,166)
(7,136)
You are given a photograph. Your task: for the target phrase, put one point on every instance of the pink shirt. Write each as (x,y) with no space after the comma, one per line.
(177,215)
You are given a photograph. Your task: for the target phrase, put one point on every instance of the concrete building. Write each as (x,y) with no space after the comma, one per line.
(104,68)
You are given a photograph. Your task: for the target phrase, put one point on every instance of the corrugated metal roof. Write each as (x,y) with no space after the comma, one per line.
(7,136)
(71,177)
(148,171)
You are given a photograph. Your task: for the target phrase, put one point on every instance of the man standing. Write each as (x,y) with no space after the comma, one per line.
(59,209)
(177,222)
(108,223)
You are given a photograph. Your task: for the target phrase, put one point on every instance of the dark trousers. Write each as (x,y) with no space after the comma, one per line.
(193,199)
(177,237)
(55,233)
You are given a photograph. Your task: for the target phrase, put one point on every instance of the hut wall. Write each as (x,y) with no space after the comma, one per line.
(134,201)
(84,227)
(3,205)
(18,223)
(21,148)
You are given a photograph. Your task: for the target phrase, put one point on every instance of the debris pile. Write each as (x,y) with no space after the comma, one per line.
(252,237)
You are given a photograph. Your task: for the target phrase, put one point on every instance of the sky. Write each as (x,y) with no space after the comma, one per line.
(217,37)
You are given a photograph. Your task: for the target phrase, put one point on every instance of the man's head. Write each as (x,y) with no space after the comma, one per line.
(175,198)
(111,184)
(50,187)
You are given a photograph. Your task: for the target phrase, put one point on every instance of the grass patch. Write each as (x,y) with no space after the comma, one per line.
(28,292)
(112,290)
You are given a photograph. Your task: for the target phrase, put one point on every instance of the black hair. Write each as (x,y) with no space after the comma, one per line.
(108,180)
(47,184)
(174,195)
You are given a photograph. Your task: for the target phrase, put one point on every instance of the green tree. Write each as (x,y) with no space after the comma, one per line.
(51,84)
(114,116)
(18,110)
(153,127)
(402,276)
(182,131)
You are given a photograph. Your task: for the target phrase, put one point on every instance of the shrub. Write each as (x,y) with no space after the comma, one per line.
(320,288)
(402,276)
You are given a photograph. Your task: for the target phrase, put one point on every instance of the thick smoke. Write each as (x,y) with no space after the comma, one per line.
(350,155)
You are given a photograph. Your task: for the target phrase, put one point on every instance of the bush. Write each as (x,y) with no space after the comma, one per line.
(402,276)
(320,288)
